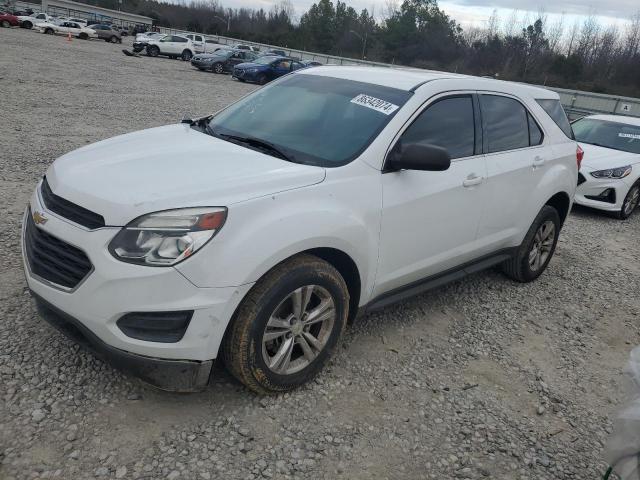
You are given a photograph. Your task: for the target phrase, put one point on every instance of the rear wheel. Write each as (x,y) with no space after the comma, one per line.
(262,79)
(153,51)
(287,327)
(631,201)
(113,39)
(218,68)
(186,55)
(49,31)
(537,248)
(5,24)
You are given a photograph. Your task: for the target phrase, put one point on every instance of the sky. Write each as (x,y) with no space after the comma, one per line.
(477,12)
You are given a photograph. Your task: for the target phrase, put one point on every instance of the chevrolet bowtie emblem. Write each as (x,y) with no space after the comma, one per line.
(38,218)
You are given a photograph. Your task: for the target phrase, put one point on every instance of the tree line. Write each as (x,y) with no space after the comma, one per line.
(585,55)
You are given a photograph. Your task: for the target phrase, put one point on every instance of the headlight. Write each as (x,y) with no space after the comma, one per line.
(165,238)
(619,172)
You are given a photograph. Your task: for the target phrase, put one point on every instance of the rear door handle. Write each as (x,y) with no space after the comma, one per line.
(538,161)
(472,180)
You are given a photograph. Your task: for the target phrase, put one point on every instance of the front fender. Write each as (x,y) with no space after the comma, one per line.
(342,214)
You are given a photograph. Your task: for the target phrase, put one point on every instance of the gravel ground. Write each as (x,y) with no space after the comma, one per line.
(483,378)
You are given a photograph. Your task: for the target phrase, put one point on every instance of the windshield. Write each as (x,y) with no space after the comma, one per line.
(314,119)
(619,136)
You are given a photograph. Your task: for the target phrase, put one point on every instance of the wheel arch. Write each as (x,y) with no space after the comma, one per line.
(562,203)
(348,268)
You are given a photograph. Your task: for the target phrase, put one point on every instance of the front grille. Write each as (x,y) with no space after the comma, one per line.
(68,210)
(581,179)
(53,259)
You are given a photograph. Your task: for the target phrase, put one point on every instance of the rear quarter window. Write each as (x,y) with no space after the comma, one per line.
(556,112)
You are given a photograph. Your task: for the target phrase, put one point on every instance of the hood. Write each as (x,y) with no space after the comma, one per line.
(601,158)
(170,167)
(251,65)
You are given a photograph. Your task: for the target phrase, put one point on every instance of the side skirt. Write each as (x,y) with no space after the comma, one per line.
(436,281)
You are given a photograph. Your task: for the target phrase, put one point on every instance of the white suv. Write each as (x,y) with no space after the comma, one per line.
(254,234)
(173,46)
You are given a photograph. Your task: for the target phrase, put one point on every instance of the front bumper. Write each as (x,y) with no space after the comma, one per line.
(170,375)
(113,288)
(606,194)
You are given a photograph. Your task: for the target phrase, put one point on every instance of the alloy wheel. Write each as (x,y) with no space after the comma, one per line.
(298,329)
(542,245)
(632,200)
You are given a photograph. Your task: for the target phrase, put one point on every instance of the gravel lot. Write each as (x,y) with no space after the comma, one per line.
(483,378)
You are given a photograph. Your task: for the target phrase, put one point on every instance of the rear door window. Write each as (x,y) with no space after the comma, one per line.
(556,112)
(447,123)
(506,124)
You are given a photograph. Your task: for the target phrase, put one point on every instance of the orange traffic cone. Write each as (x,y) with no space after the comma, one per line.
(68,36)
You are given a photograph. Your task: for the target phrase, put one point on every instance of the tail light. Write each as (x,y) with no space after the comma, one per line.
(579,156)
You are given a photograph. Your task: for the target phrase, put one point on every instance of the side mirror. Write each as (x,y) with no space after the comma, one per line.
(420,156)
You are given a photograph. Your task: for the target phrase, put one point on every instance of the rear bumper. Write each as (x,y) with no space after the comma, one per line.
(170,375)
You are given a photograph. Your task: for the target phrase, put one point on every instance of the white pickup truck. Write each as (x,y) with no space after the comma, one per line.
(202,44)
(28,21)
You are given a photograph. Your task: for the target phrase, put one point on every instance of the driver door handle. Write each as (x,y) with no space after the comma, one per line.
(472,180)
(538,161)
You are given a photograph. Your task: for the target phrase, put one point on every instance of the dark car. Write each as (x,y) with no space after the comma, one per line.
(7,20)
(264,69)
(312,63)
(222,60)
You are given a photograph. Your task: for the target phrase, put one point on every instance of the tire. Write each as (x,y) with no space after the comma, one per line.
(253,361)
(153,51)
(631,201)
(217,68)
(186,55)
(49,31)
(525,266)
(5,24)
(262,79)
(83,36)
(28,25)
(113,39)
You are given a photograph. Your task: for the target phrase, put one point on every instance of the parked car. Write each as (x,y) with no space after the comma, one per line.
(8,20)
(277,53)
(66,28)
(264,69)
(222,61)
(38,17)
(312,63)
(242,46)
(172,46)
(609,179)
(80,21)
(22,13)
(107,33)
(142,40)
(254,234)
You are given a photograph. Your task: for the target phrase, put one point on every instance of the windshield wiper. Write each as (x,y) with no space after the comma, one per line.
(263,145)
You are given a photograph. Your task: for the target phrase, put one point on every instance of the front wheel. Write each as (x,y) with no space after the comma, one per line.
(287,327)
(537,248)
(27,25)
(631,201)
(153,51)
(83,36)
(49,31)
(113,39)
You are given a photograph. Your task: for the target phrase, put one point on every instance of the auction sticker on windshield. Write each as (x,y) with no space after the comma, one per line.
(629,135)
(374,103)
